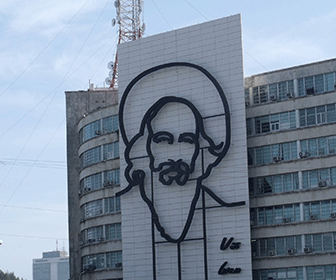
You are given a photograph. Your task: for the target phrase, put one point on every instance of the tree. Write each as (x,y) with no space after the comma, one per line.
(8,276)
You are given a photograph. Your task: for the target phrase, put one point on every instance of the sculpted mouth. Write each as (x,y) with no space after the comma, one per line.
(171,171)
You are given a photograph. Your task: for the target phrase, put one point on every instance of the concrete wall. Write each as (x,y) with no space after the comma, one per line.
(216,46)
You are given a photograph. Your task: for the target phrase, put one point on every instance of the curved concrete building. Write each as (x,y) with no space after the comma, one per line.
(93,180)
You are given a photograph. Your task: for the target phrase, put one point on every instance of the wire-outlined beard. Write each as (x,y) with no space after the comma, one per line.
(173,171)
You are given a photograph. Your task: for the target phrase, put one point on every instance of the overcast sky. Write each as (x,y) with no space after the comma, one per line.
(47,47)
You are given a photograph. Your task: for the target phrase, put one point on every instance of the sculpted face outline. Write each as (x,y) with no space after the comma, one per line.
(171,169)
(137,177)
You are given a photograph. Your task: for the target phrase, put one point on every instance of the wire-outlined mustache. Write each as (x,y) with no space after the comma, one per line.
(171,171)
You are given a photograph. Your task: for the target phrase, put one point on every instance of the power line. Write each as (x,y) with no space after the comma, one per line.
(32,208)
(55,90)
(32,236)
(162,15)
(42,51)
(195,9)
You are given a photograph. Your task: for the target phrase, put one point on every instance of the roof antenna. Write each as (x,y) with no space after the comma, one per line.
(56,245)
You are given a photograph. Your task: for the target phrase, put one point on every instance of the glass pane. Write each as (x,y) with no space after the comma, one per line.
(263,91)
(256,99)
(301,90)
(280,246)
(313,178)
(277,183)
(273,91)
(331,113)
(331,145)
(327,242)
(322,146)
(302,116)
(311,116)
(305,180)
(312,147)
(329,81)
(309,82)
(292,119)
(282,90)
(319,83)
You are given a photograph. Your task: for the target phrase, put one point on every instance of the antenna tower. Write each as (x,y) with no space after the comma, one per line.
(131,27)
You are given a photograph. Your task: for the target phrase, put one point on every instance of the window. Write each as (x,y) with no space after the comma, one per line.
(92,182)
(111,151)
(275,122)
(278,246)
(294,273)
(112,204)
(317,115)
(277,214)
(99,127)
(90,157)
(274,184)
(92,209)
(249,128)
(326,272)
(90,131)
(91,235)
(272,153)
(110,260)
(114,259)
(318,178)
(111,177)
(319,210)
(318,146)
(113,231)
(329,81)
(110,124)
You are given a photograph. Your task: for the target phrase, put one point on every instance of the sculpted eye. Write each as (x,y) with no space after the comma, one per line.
(162,136)
(187,137)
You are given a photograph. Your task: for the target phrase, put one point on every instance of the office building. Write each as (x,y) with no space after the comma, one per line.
(93,180)
(291,136)
(53,265)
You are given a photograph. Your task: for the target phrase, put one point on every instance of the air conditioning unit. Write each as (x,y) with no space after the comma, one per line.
(247,103)
(290,95)
(304,155)
(271,253)
(308,250)
(286,220)
(322,183)
(87,189)
(291,251)
(310,91)
(277,159)
(274,98)
(89,268)
(98,132)
(313,217)
(333,215)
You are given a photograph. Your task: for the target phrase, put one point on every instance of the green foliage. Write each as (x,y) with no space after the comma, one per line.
(8,276)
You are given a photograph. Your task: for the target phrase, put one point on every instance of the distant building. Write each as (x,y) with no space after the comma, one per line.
(53,265)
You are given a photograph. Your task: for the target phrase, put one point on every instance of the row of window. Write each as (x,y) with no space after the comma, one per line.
(106,125)
(289,213)
(291,245)
(325,272)
(271,123)
(317,115)
(100,153)
(290,181)
(272,153)
(100,207)
(314,147)
(284,90)
(101,233)
(110,260)
(100,180)
(287,120)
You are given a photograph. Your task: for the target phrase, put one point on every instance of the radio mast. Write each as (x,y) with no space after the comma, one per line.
(131,27)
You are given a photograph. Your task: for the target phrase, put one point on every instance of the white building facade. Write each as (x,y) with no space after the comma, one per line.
(185,207)
(52,266)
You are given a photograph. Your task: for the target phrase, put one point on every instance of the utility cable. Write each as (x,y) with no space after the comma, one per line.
(31,236)
(42,50)
(55,90)
(195,9)
(33,208)
(162,15)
